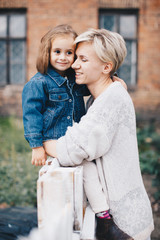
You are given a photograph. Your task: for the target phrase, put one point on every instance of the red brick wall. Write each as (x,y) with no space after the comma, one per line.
(147,96)
(13,3)
(10,100)
(42,15)
(149,45)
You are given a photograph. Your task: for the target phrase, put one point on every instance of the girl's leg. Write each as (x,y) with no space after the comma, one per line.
(106,228)
(93,188)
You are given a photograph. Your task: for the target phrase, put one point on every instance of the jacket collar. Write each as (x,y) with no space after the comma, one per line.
(59,80)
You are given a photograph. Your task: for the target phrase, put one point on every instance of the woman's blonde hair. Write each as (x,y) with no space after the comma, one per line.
(43,58)
(109,46)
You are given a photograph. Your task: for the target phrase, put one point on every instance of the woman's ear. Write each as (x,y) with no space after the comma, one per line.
(107,67)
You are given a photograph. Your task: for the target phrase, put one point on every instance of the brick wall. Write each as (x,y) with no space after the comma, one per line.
(149,45)
(10,100)
(147,96)
(42,15)
(13,3)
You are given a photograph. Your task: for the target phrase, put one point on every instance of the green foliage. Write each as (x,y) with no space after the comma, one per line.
(149,152)
(17,175)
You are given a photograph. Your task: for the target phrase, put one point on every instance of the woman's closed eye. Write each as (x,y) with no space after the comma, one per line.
(84,60)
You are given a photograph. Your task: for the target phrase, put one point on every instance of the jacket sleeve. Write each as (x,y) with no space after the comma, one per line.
(33,104)
(91,138)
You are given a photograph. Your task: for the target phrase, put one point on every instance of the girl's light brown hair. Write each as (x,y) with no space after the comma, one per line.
(43,58)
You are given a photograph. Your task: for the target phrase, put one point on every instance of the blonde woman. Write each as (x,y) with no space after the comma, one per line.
(105,142)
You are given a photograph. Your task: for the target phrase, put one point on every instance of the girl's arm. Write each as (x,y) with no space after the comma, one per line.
(50,148)
(33,104)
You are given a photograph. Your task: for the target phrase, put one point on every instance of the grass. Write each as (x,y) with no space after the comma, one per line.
(18,176)
(149,152)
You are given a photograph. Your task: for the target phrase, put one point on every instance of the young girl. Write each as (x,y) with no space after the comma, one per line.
(51,100)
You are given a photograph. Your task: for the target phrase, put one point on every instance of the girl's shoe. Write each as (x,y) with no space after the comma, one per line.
(107,230)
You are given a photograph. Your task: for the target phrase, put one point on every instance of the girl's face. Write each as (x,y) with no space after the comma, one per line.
(62,53)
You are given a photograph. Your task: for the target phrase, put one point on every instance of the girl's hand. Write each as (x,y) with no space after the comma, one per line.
(39,156)
(120,80)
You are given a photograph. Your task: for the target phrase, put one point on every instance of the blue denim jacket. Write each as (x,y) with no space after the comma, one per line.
(50,104)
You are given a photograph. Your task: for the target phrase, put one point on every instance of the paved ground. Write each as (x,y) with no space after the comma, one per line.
(16,221)
(19,221)
(155,205)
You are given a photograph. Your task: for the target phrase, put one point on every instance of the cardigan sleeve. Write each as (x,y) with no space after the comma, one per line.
(92,137)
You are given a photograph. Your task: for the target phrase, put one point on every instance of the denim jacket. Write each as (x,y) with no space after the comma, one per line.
(50,104)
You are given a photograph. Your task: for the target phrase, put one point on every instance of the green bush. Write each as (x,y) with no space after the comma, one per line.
(17,175)
(149,152)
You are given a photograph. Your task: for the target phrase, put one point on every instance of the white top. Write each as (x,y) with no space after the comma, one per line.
(107,133)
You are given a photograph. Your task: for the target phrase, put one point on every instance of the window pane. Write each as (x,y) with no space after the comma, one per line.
(125,73)
(3,26)
(17,62)
(134,62)
(134,52)
(17,26)
(3,78)
(128,25)
(128,69)
(129,52)
(108,22)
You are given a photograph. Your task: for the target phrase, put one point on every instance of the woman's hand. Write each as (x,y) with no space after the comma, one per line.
(50,148)
(120,80)
(39,156)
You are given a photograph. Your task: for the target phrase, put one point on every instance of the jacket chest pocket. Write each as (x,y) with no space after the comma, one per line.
(58,97)
(58,100)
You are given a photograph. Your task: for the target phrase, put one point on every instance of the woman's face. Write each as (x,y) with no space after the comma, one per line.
(88,67)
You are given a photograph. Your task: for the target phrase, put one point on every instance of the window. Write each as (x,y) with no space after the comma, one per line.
(125,23)
(12,47)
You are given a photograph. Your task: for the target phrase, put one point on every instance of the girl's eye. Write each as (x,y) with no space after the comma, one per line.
(57,51)
(69,53)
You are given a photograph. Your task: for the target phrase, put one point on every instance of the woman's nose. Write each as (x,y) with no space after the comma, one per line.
(75,65)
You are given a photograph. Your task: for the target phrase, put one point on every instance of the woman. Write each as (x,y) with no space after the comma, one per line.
(105,142)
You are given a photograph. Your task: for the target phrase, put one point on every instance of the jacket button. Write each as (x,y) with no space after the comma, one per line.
(59,97)
(68,117)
